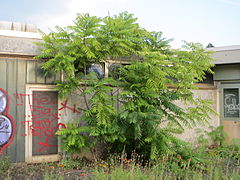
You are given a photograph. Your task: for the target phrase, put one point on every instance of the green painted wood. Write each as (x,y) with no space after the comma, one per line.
(227,72)
(11,90)
(39,73)
(3,70)
(58,77)
(20,111)
(50,78)
(3,81)
(15,74)
(31,72)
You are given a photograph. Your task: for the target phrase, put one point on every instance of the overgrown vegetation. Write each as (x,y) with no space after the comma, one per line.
(205,161)
(147,89)
(5,165)
(209,159)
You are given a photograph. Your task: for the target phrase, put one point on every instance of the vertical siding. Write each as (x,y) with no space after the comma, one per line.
(31,69)
(58,77)
(20,112)
(3,70)
(11,90)
(40,79)
(35,74)
(12,80)
(50,79)
(15,74)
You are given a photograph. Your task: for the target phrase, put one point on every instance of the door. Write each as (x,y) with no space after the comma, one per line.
(42,120)
(230,109)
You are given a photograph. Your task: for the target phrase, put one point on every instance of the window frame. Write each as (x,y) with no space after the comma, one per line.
(228,85)
(28,138)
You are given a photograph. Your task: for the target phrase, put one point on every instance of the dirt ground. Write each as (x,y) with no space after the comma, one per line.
(46,171)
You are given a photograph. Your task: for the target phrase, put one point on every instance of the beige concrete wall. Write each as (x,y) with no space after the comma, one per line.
(206,92)
(232,128)
(72,111)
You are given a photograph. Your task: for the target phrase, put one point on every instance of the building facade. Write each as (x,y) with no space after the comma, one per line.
(28,102)
(31,112)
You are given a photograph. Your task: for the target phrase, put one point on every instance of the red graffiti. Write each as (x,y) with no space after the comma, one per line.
(23,126)
(44,145)
(43,100)
(41,112)
(42,122)
(65,106)
(44,117)
(20,98)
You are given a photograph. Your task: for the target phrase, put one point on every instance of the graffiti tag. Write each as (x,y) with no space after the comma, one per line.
(7,126)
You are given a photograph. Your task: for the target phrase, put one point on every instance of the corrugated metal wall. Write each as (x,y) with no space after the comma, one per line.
(15,74)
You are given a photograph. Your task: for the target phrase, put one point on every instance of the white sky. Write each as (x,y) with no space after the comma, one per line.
(204,21)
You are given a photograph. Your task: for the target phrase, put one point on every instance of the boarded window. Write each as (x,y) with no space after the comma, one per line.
(231,102)
(44,122)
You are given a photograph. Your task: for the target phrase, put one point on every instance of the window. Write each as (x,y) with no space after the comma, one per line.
(230,107)
(231,102)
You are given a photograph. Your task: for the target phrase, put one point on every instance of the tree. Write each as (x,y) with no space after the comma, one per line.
(149,87)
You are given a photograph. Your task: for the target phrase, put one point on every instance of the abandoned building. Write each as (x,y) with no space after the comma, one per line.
(25,89)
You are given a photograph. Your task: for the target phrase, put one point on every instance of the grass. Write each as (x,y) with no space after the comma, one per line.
(218,163)
(50,176)
(135,172)
(160,171)
(120,168)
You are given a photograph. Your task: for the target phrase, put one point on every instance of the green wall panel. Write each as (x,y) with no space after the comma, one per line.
(20,111)
(11,90)
(227,72)
(15,74)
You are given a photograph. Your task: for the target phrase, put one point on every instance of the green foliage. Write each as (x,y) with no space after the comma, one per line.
(70,163)
(5,165)
(212,146)
(89,40)
(218,136)
(149,88)
(101,117)
(73,137)
(215,137)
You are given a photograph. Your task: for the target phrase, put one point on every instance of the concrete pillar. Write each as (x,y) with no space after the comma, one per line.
(4,25)
(15,26)
(31,28)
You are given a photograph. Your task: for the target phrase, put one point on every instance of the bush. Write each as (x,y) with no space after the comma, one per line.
(148,117)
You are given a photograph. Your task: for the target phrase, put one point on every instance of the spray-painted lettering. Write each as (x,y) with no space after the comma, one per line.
(7,126)
(42,122)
